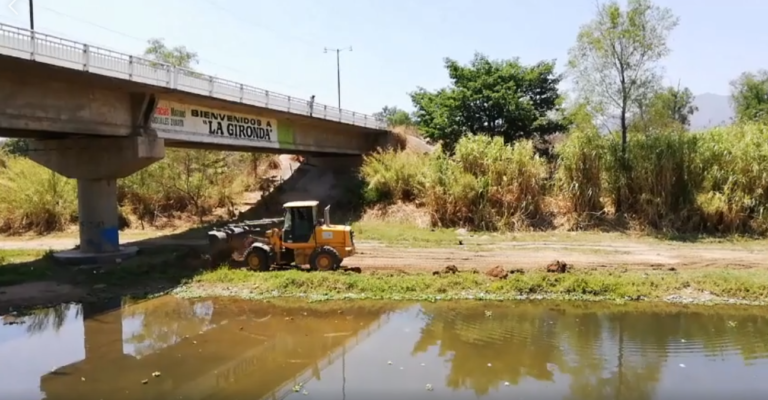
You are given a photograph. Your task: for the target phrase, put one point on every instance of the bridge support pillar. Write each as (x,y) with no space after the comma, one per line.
(97,164)
(103,330)
(98,217)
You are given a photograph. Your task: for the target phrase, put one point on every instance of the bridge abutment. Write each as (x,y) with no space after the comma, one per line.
(97,164)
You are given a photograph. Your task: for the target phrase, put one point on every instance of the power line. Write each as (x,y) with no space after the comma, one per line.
(143,40)
(250,23)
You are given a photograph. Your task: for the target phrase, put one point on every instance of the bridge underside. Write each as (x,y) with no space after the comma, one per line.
(97,129)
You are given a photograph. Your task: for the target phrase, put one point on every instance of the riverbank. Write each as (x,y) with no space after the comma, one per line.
(184,273)
(614,267)
(723,286)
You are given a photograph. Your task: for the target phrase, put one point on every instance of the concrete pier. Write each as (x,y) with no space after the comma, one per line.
(96,207)
(97,163)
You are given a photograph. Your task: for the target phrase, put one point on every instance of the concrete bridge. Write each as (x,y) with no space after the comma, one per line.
(97,115)
(257,357)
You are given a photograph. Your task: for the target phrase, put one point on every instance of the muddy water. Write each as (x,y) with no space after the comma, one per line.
(169,348)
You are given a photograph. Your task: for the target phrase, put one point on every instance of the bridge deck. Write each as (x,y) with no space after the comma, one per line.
(22,43)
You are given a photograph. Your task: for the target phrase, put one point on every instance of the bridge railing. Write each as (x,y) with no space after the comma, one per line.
(36,46)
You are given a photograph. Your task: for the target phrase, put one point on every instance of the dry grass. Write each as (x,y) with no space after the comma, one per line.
(188,185)
(400,214)
(484,184)
(675,182)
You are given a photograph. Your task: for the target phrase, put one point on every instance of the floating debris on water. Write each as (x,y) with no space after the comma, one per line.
(429,387)
(156,374)
(145,381)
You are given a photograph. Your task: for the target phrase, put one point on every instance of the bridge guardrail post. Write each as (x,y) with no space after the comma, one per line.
(33,45)
(289,103)
(130,68)
(86,58)
(242,92)
(266,95)
(211,84)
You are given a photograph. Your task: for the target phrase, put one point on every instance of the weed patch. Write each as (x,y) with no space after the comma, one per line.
(580,284)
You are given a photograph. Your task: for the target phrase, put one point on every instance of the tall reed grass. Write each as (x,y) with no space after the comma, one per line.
(714,181)
(186,182)
(484,183)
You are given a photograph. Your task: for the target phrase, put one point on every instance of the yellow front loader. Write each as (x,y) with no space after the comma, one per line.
(303,239)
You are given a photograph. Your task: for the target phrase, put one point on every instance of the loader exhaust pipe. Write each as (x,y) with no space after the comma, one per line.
(327,215)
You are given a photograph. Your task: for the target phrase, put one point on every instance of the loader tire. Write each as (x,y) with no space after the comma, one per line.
(256,259)
(325,258)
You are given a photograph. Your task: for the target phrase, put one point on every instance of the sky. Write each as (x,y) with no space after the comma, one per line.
(397,45)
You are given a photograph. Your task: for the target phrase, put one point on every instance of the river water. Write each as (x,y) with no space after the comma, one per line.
(169,348)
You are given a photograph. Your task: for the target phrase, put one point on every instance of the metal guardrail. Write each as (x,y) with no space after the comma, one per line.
(40,47)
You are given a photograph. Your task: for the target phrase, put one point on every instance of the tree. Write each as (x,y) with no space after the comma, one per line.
(614,61)
(178,56)
(18,147)
(670,105)
(494,97)
(195,171)
(749,96)
(394,116)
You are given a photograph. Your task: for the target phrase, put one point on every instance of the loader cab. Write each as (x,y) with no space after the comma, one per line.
(300,221)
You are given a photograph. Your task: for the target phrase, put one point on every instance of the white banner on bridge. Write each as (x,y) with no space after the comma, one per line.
(218,126)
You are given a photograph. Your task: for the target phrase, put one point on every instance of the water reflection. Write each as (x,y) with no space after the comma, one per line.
(53,318)
(154,325)
(598,355)
(234,349)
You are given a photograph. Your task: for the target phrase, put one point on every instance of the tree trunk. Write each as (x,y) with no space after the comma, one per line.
(623,162)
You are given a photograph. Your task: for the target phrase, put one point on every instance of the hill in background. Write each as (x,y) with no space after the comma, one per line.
(714,110)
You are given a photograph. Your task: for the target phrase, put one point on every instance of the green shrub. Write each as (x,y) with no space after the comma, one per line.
(187,181)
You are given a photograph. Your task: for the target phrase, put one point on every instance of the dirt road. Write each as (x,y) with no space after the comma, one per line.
(537,254)
(595,253)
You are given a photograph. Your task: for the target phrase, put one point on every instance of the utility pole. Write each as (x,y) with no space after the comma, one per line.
(338,69)
(31,15)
